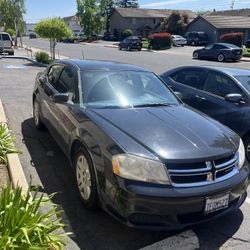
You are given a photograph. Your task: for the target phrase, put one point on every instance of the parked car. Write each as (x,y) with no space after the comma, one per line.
(146,158)
(6,44)
(130,43)
(179,40)
(222,93)
(32,36)
(219,51)
(247,44)
(109,37)
(196,38)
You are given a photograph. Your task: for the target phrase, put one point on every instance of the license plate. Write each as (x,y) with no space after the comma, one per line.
(216,203)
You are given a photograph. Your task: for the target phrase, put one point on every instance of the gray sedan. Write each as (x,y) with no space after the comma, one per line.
(219,51)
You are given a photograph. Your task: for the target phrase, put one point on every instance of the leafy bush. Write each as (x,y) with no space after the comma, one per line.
(235,38)
(6,143)
(23,226)
(11,32)
(126,33)
(42,57)
(246,52)
(160,41)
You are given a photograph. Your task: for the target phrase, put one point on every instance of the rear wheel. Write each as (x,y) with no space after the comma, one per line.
(193,43)
(85,178)
(37,115)
(196,55)
(129,48)
(220,58)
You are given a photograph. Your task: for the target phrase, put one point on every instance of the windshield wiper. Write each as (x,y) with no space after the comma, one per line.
(160,104)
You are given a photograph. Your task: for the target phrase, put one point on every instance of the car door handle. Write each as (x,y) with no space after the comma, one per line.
(200,97)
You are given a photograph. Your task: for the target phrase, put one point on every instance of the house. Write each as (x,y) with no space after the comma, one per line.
(73,24)
(141,21)
(235,12)
(216,25)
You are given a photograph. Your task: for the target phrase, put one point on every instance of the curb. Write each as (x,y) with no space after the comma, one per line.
(184,241)
(14,166)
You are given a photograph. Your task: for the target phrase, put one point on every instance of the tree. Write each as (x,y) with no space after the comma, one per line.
(128,4)
(89,15)
(53,29)
(12,12)
(175,24)
(106,8)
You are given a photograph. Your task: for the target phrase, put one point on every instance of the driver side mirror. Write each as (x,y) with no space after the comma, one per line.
(60,98)
(234,98)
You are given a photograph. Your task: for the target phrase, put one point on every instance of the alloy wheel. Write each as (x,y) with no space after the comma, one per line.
(83,177)
(196,55)
(221,58)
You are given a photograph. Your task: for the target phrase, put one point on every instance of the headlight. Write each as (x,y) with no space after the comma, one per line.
(140,169)
(241,154)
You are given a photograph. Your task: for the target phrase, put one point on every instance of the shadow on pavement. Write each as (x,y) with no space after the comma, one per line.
(92,229)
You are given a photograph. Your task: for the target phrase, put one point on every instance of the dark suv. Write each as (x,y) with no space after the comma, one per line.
(131,42)
(196,38)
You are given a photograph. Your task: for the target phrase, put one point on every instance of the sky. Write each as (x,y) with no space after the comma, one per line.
(39,9)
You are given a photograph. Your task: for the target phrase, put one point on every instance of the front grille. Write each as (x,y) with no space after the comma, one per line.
(203,173)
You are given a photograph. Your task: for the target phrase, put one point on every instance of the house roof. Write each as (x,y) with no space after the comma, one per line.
(151,13)
(237,12)
(227,22)
(69,18)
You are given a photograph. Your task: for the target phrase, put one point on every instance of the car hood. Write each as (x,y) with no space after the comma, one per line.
(170,132)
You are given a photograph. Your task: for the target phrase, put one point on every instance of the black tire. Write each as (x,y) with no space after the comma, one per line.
(196,55)
(247,148)
(139,49)
(129,48)
(193,43)
(182,45)
(120,48)
(37,115)
(220,58)
(89,195)
(11,53)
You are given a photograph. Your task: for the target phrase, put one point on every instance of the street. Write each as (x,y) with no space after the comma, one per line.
(45,163)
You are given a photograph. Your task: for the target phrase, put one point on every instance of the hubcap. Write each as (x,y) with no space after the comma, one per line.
(195,55)
(36,113)
(83,177)
(220,58)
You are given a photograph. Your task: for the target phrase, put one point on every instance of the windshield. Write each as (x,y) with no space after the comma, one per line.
(245,81)
(119,89)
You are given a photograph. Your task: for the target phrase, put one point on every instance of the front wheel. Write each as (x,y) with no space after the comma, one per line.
(220,58)
(247,148)
(37,115)
(85,178)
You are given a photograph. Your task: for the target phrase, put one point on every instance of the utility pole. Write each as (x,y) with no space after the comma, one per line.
(232,4)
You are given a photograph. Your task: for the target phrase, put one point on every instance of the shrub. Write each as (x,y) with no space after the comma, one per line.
(126,33)
(6,143)
(11,32)
(23,226)
(160,41)
(42,57)
(235,38)
(246,52)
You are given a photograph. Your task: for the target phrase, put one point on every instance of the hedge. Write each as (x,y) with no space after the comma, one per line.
(235,38)
(160,41)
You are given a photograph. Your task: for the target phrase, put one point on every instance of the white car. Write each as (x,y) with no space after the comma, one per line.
(6,43)
(179,40)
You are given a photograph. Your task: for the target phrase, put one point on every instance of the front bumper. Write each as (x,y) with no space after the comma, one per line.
(159,207)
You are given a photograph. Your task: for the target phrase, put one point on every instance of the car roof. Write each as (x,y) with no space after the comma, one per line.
(101,65)
(227,44)
(225,70)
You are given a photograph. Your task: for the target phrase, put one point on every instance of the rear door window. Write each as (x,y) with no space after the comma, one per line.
(189,77)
